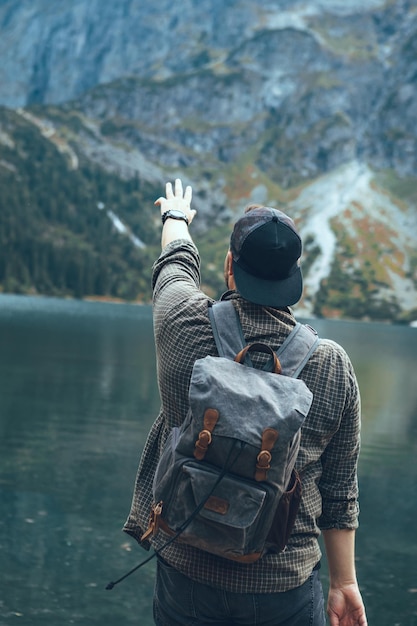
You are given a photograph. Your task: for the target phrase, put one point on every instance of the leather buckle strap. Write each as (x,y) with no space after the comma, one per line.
(211,417)
(153,522)
(269,439)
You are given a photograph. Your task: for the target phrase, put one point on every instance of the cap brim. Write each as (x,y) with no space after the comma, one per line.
(275,293)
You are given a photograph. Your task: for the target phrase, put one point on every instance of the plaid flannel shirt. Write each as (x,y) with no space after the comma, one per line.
(327,461)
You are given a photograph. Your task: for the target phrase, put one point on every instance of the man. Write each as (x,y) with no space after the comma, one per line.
(263,275)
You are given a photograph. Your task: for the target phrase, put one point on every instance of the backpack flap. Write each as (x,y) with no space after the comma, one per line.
(257,398)
(261,400)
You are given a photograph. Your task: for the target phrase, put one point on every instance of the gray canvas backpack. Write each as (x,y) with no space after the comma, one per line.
(225,482)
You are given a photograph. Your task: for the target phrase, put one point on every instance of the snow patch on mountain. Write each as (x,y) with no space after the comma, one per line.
(121,228)
(323,200)
(351,195)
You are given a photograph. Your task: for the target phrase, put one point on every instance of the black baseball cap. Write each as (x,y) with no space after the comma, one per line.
(266,249)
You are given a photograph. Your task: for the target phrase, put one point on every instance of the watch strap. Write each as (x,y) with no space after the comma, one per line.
(174,214)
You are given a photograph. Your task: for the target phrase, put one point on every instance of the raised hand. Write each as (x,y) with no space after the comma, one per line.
(177,199)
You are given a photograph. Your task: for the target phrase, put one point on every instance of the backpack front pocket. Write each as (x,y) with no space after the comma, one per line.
(222,515)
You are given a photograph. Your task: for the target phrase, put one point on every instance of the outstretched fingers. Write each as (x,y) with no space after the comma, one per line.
(179,192)
(176,193)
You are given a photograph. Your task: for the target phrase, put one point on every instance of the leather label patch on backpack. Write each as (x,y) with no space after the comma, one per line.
(218,505)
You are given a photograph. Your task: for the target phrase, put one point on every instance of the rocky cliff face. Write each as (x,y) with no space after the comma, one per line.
(59,50)
(281,102)
(339,78)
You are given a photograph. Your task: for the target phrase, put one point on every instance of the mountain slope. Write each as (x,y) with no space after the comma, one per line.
(359,256)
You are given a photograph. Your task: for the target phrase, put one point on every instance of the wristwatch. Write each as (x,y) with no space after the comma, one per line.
(174,214)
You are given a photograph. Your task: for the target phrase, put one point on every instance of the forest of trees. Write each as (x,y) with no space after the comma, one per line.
(53,238)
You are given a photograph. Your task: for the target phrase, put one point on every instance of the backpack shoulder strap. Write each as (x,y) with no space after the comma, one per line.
(296,350)
(227,329)
(228,335)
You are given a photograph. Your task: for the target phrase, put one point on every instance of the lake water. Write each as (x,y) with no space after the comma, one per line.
(77,397)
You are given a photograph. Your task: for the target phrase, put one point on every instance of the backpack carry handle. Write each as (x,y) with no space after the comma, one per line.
(273,365)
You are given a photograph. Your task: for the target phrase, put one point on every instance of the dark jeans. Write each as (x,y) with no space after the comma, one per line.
(179,601)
